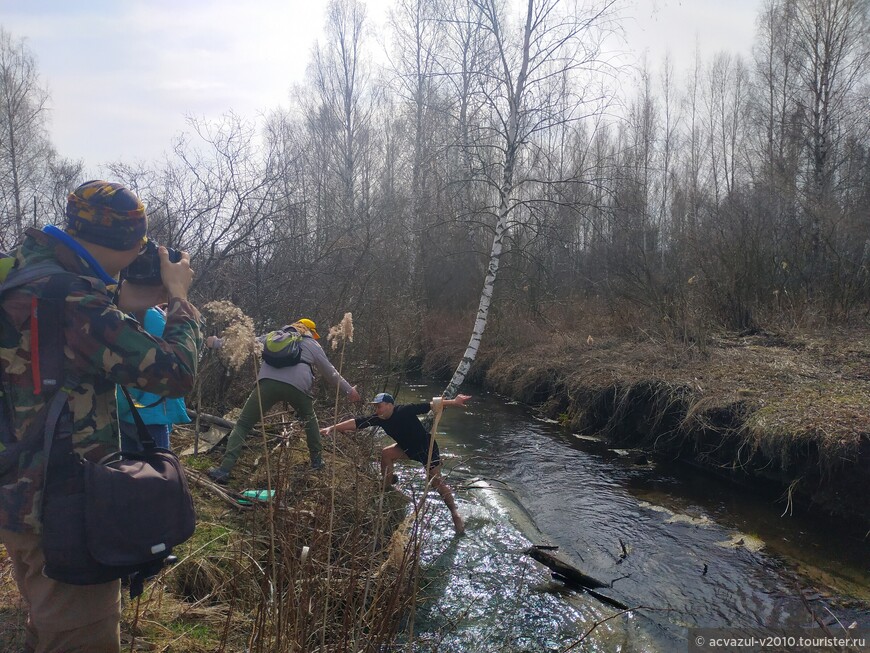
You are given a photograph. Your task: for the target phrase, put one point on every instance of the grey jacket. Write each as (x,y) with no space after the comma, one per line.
(301,376)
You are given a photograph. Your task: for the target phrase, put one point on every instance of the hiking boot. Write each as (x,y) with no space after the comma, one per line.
(218,475)
(170,560)
(317,464)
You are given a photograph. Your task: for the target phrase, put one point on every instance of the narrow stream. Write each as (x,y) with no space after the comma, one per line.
(700,552)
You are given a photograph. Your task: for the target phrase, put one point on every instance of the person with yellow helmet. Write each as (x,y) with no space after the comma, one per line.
(292,383)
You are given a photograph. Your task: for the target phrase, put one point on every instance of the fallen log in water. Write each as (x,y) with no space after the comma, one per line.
(549,557)
(569,574)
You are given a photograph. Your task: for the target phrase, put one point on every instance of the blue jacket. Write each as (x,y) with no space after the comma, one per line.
(166,410)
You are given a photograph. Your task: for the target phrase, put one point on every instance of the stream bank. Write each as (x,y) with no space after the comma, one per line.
(686,550)
(789,414)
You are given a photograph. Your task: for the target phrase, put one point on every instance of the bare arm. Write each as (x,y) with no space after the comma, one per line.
(341,427)
(458,401)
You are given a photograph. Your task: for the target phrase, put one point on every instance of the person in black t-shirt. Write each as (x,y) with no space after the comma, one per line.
(412,441)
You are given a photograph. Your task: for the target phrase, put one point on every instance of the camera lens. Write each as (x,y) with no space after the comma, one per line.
(145,269)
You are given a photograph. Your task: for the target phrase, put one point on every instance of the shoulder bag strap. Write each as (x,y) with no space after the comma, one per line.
(145,438)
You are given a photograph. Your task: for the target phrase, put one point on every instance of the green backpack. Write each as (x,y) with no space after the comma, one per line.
(283,348)
(7,262)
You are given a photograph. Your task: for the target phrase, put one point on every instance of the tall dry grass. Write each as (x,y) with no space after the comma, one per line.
(324,564)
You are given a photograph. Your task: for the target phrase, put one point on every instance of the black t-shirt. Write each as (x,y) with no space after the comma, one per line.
(403,426)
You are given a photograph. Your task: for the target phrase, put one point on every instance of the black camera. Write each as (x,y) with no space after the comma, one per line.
(145,270)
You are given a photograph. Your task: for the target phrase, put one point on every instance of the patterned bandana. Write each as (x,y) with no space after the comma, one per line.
(106,214)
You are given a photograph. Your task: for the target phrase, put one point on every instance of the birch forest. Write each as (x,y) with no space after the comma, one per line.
(492,165)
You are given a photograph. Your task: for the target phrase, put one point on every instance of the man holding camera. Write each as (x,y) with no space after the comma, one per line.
(104,233)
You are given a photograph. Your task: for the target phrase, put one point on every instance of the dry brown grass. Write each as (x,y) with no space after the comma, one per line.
(242,581)
(794,406)
(806,388)
(12,616)
(250,570)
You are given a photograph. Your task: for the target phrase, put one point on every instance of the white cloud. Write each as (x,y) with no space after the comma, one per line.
(123,74)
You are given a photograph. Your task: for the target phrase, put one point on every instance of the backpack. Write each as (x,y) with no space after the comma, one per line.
(283,348)
(47,340)
(7,262)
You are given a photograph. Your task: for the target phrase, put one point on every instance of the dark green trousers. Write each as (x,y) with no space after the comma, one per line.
(271,392)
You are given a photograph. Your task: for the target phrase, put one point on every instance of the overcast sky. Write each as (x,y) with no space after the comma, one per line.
(123,74)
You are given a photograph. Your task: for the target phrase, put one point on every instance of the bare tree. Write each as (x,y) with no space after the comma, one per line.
(834,41)
(418,34)
(216,196)
(776,61)
(63,176)
(340,76)
(537,66)
(670,125)
(24,146)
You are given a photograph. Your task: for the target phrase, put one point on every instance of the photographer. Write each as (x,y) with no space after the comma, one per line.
(104,233)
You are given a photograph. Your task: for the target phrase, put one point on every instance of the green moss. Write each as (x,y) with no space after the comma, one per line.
(199,463)
(199,632)
(208,538)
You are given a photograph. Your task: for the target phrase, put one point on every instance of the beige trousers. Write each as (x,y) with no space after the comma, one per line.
(63,618)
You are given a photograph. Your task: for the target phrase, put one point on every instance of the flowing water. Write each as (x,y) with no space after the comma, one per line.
(692,550)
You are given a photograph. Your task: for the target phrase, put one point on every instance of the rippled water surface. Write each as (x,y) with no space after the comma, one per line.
(700,552)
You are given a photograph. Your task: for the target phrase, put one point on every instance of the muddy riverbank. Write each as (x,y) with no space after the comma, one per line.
(786,412)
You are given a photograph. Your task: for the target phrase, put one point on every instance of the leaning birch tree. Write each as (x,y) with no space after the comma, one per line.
(549,57)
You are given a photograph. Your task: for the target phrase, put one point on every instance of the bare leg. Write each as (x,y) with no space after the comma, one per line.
(446,493)
(390,455)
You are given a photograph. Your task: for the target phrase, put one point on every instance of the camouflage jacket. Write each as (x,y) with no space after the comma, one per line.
(103,347)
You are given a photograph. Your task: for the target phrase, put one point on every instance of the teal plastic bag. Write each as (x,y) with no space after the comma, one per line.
(249,496)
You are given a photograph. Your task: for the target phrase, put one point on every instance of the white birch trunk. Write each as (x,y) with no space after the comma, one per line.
(515,92)
(483,307)
(485,295)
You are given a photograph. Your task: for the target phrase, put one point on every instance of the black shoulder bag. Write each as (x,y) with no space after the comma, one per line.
(118,518)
